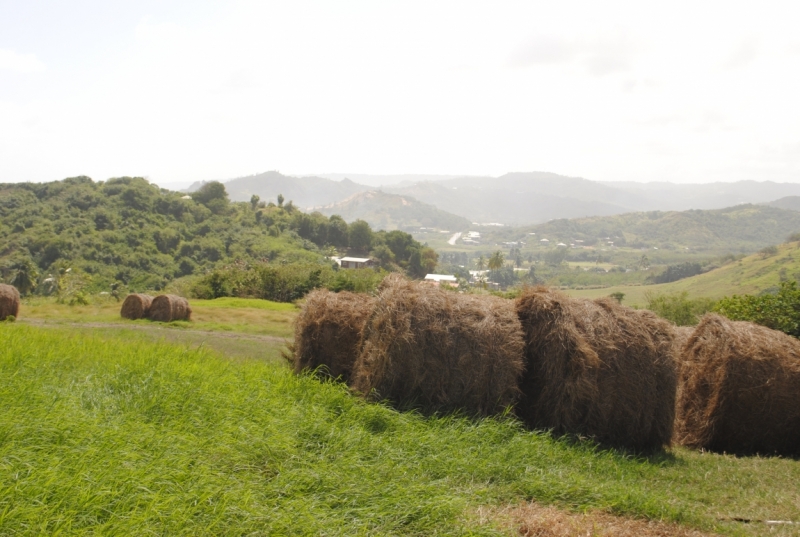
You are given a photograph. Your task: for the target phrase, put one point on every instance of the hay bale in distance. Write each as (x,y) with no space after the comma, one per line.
(740,384)
(9,301)
(439,350)
(167,308)
(597,369)
(327,332)
(136,306)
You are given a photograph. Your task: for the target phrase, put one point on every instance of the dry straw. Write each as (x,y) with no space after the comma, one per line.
(9,301)
(597,369)
(439,350)
(740,386)
(327,332)
(136,306)
(167,308)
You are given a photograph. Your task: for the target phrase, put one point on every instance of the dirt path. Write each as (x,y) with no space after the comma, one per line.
(454,238)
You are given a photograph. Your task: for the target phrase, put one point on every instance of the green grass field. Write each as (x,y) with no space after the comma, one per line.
(747,276)
(104,431)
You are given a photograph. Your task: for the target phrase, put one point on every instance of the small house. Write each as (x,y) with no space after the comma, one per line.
(356,262)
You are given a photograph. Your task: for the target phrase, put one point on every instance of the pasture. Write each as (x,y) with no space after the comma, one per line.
(198,428)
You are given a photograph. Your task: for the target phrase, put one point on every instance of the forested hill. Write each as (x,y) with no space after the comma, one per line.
(743,228)
(129,232)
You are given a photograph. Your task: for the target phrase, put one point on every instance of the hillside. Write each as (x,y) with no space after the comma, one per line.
(303,191)
(791,203)
(391,211)
(126,230)
(751,275)
(743,228)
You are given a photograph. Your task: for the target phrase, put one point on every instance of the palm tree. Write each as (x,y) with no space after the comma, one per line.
(481,263)
(496,261)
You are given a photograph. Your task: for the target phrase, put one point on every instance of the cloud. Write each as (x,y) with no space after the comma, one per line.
(21,63)
(599,56)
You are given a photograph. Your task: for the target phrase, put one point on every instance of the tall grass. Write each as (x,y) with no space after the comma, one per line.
(99,436)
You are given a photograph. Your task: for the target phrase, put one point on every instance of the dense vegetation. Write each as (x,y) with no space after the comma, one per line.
(103,437)
(779,310)
(125,233)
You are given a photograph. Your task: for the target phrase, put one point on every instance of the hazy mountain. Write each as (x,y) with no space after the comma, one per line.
(519,198)
(789,202)
(385,180)
(303,191)
(681,197)
(391,211)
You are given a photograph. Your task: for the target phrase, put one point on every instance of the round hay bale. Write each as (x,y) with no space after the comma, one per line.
(9,301)
(439,350)
(739,388)
(136,306)
(327,332)
(167,308)
(682,335)
(597,369)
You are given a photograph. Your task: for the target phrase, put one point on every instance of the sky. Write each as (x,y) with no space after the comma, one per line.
(175,90)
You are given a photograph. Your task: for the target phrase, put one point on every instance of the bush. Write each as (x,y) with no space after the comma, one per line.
(779,311)
(678,307)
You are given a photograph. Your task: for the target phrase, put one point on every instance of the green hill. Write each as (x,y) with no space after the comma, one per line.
(392,211)
(743,228)
(130,233)
(127,230)
(750,275)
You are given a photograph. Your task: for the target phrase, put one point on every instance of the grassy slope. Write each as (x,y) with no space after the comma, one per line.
(748,276)
(103,436)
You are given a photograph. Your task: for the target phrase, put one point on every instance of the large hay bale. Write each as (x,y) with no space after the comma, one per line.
(327,332)
(682,336)
(136,306)
(167,308)
(740,384)
(439,350)
(597,369)
(9,301)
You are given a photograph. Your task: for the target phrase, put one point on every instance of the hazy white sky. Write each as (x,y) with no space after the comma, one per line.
(188,90)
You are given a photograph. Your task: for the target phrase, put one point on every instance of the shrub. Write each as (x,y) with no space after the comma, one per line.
(779,311)
(678,307)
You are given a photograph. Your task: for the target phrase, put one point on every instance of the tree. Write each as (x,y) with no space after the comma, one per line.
(496,261)
(481,263)
(25,276)
(213,196)
(254,199)
(644,263)
(280,200)
(359,236)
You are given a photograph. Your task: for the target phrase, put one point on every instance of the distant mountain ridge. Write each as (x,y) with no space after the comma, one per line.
(517,199)
(392,211)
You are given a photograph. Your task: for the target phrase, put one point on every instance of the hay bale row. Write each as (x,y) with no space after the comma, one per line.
(328,332)
(164,308)
(136,306)
(739,388)
(597,369)
(9,301)
(437,350)
(574,366)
